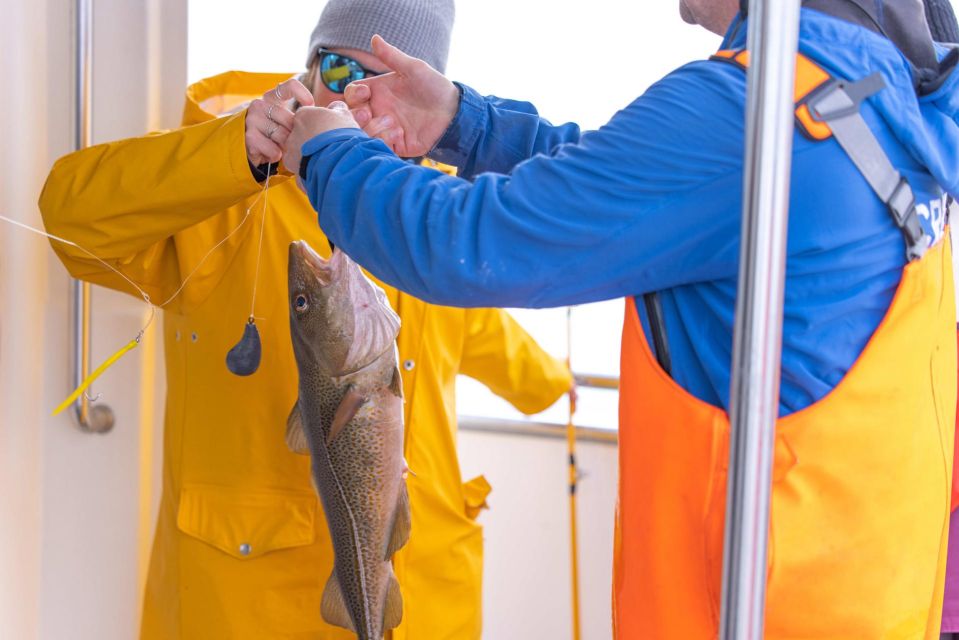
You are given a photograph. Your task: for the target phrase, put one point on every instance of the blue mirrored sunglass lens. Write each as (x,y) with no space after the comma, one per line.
(337,72)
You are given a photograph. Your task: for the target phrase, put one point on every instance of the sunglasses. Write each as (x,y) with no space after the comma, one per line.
(337,71)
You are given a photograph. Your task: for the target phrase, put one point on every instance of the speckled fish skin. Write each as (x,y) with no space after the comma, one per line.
(344,339)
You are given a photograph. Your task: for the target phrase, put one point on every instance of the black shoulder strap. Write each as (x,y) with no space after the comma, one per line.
(839,107)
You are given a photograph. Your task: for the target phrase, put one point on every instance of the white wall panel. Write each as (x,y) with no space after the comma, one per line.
(76,509)
(526,584)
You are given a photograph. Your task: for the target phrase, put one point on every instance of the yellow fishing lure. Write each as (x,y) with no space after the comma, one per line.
(109,362)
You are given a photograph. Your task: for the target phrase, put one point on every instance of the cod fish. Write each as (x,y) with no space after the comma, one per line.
(349,417)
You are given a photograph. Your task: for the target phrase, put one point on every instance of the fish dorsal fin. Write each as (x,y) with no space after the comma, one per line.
(393,610)
(333,606)
(401,523)
(295,435)
(349,405)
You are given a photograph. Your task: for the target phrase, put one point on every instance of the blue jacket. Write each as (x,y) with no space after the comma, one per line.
(544,216)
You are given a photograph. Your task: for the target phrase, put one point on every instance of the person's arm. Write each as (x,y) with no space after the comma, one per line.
(417,111)
(499,353)
(649,201)
(153,206)
(492,134)
(124,201)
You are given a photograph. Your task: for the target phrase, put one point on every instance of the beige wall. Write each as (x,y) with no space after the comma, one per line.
(526,581)
(75,509)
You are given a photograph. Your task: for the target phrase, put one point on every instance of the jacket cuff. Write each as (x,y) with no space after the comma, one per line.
(315,144)
(457,143)
(261,172)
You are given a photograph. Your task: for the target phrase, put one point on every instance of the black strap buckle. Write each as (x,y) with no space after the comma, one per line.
(902,203)
(902,206)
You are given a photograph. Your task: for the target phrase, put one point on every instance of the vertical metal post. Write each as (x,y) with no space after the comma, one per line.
(92,418)
(573,485)
(757,341)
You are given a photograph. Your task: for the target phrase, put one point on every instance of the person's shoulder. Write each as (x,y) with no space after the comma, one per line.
(723,83)
(696,111)
(699,96)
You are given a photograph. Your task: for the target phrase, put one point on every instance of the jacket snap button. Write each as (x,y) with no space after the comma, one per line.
(245,549)
(194,337)
(177,336)
(408,365)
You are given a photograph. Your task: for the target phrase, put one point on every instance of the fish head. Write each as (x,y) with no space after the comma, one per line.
(340,321)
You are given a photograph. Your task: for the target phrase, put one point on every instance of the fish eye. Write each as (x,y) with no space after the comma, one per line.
(300,303)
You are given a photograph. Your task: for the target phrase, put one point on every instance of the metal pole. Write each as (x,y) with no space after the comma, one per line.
(530,429)
(573,482)
(595,381)
(92,418)
(757,341)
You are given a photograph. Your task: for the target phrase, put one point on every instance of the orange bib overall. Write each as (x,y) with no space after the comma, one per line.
(860,496)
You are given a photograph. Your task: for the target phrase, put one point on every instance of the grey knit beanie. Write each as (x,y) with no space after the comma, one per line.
(420,28)
(942,20)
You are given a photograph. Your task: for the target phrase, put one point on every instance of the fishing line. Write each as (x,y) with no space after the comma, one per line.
(144,294)
(259,249)
(109,362)
(244,358)
(215,247)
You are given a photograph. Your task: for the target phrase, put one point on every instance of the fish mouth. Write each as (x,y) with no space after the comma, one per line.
(325,270)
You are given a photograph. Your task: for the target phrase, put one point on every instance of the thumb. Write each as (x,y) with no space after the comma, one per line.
(356,94)
(392,57)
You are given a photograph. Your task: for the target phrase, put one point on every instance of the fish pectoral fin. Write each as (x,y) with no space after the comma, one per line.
(393,611)
(396,384)
(295,435)
(402,523)
(333,606)
(349,405)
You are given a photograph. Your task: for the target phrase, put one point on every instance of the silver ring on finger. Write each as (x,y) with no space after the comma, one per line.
(279,96)
(272,131)
(269,113)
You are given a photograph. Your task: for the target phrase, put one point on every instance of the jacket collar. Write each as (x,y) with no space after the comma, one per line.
(226,93)
(902,22)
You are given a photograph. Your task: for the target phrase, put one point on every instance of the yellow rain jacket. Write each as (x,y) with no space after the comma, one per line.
(241,548)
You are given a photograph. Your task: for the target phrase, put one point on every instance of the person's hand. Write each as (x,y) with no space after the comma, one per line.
(269,121)
(310,122)
(409,108)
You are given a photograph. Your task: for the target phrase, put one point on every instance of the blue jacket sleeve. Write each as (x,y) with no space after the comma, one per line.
(649,201)
(493,134)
